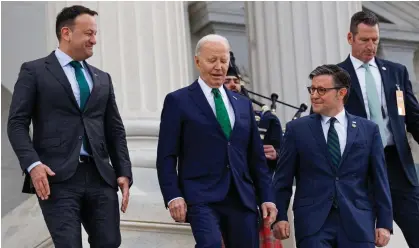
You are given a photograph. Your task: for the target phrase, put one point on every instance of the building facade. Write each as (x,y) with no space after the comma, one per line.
(147,47)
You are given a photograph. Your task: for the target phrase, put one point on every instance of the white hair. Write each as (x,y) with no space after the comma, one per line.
(211,38)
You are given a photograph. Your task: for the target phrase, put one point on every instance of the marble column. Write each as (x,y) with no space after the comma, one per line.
(144,46)
(287,40)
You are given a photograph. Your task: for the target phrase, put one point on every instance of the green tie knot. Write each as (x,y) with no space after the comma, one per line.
(216,92)
(75,64)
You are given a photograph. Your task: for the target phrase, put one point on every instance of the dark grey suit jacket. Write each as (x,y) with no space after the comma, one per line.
(43,94)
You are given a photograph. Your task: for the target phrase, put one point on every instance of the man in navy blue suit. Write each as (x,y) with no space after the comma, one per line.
(332,155)
(375,86)
(209,134)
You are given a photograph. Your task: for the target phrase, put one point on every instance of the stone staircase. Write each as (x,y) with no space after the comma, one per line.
(147,224)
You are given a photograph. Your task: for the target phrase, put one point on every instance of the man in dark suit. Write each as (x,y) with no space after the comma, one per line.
(76,128)
(375,84)
(332,155)
(210,135)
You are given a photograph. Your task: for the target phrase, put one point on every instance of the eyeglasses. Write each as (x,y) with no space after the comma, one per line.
(321,91)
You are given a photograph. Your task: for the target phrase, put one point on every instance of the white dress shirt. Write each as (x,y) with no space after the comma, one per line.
(69,71)
(360,73)
(341,127)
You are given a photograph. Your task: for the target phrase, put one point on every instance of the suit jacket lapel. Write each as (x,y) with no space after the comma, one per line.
(234,102)
(96,85)
(385,78)
(57,71)
(349,67)
(317,131)
(352,131)
(200,100)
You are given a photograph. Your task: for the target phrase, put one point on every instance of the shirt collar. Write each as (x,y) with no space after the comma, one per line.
(358,63)
(207,90)
(63,58)
(340,117)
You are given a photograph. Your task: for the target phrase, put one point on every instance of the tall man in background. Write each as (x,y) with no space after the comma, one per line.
(210,161)
(382,92)
(76,128)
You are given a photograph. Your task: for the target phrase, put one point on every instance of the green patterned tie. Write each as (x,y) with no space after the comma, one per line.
(333,143)
(221,112)
(374,104)
(84,94)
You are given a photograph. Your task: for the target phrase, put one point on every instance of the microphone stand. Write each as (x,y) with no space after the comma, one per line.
(302,108)
(286,104)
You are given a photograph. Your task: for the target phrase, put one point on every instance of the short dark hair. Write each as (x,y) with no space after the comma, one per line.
(66,17)
(341,78)
(364,16)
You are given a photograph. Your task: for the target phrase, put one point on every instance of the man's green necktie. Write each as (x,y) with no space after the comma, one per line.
(374,103)
(333,143)
(83,85)
(221,112)
(84,94)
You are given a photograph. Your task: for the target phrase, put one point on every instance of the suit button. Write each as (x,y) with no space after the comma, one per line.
(80,137)
(228,166)
(337,178)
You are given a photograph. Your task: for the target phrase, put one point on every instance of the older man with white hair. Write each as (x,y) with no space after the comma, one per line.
(210,161)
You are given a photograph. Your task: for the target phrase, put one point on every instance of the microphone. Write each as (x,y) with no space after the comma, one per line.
(303,108)
(274,97)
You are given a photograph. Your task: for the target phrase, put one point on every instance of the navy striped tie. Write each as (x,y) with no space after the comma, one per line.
(333,143)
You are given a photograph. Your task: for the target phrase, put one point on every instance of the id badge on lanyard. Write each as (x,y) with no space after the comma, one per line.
(400,101)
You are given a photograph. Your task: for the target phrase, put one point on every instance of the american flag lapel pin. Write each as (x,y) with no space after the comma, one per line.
(383,68)
(234,97)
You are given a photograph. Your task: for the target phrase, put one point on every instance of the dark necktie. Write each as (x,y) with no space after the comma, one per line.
(221,112)
(333,143)
(84,94)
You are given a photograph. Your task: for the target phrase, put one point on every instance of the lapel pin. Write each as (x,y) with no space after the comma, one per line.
(383,68)
(95,75)
(353,125)
(234,97)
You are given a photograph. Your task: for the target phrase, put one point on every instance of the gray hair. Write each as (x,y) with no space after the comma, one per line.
(211,38)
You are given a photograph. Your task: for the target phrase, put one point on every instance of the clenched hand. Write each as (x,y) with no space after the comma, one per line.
(178,210)
(281,230)
(270,152)
(382,237)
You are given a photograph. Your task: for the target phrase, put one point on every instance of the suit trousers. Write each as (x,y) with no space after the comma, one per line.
(85,199)
(405,198)
(332,235)
(229,219)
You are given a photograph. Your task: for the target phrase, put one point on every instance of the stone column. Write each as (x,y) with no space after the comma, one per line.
(289,39)
(144,46)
